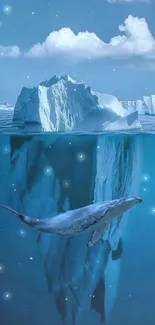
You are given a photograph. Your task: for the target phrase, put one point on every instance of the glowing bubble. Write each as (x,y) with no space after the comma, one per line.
(48,171)
(145,178)
(6,149)
(7,9)
(66,184)
(7,295)
(2,268)
(153,210)
(22,233)
(31,258)
(81,157)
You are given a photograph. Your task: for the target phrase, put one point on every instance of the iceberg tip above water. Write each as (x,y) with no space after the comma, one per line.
(61,104)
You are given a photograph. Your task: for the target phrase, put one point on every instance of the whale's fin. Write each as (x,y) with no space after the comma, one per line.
(114,237)
(117,253)
(97,235)
(39,224)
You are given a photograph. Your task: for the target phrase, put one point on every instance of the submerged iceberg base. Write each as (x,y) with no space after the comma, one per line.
(81,281)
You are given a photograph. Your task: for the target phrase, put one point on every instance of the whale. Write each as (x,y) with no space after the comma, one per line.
(94,218)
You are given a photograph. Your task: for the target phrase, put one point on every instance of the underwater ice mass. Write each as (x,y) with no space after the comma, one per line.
(72,279)
(66,154)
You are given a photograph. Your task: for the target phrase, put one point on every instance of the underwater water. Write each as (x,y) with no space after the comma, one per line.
(47,279)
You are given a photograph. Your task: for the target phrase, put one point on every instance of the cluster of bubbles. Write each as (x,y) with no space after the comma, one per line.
(145,179)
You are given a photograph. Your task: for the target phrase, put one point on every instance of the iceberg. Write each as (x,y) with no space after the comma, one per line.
(63,105)
(6,114)
(144,106)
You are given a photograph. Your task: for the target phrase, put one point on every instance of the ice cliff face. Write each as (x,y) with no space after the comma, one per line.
(146,105)
(6,114)
(62,104)
(82,282)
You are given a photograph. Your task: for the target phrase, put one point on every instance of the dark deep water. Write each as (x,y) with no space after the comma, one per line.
(54,280)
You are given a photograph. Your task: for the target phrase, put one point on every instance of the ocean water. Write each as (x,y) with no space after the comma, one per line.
(47,279)
(7,127)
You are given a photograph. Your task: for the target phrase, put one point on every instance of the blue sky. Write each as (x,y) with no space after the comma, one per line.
(122,66)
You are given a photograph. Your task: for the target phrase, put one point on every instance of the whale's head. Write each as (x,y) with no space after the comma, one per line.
(123,205)
(134,200)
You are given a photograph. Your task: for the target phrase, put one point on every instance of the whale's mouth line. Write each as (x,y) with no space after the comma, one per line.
(139,199)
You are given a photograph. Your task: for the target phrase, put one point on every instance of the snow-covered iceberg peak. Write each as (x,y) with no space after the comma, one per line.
(55,79)
(61,104)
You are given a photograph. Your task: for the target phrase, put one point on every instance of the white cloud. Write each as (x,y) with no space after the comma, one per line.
(127,1)
(134,39)
(9,51)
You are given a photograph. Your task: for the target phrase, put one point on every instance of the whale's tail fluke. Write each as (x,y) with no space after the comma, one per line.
(39,224)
